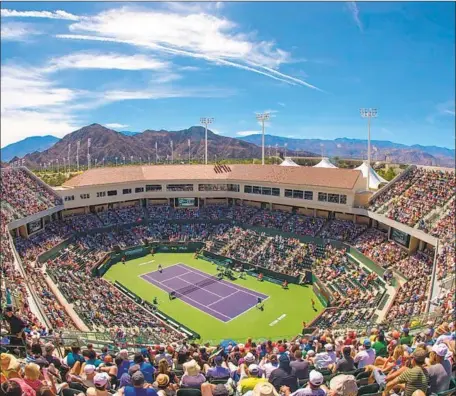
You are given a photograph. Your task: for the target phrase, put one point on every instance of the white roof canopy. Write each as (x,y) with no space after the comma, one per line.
(288,162)
(374,178)
(325,163)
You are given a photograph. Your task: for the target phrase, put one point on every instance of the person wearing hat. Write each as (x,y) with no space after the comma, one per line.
(365,356)
(101,384)
(440,371)
(343,385)
(326,358)
(284,375)
(413,379)
(10,366)
(249,382)
(192,377)
(163,386)
(315,386)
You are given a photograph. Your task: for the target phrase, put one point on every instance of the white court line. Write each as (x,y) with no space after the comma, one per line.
(147,262)
(229,295)
(247,310)
(193,306)
(167,279)
(227,284)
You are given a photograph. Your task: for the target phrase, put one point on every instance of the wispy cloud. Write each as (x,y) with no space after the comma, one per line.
(247,133)
(197,35)
(16,31)
(116,125)
(6,13)
(281,104)
(444,109)
(99,60)
(354,10)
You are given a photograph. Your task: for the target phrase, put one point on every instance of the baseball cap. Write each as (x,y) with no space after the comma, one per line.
(133,369)
(101,379)
(249,358)
(344,385)
(137,378)
(315,378)
(440,349)
(284,358)
(328,347)
(218,359)
(367,343)
(254,369)
(311,353)
(89,369)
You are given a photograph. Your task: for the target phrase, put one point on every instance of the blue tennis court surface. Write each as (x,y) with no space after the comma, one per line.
(220,299)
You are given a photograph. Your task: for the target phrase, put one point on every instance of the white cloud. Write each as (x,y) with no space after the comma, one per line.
(39,14)
(15,31)
(247,133)
(115,125)
(353,8)
(281,104)
(97,60)
(196,35)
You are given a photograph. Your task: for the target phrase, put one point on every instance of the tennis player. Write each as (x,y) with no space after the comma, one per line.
(160,268)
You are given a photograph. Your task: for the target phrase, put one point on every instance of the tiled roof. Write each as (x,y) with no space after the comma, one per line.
(320,177)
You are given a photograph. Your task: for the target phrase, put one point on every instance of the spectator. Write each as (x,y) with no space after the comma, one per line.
(146,368)
(138,387)
(284,375)
(249,382)
(343,385)
(366,355)
(300,366)
(268,364)
(192,377)
(217,372)
(440,371)
(315,386)
(380,346)
(345,363)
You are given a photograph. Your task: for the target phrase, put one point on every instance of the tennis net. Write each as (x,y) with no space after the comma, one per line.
(190,288)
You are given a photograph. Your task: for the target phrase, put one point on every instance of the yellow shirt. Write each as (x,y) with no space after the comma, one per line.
(247,384)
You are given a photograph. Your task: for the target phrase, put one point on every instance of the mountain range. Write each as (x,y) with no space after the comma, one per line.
(143,147)
(108,144)
(381,150)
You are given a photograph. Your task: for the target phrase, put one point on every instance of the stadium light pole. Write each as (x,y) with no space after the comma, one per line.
(286,144)
(189,152)
(206,121)
(262,117)
(368,113)
(78,146)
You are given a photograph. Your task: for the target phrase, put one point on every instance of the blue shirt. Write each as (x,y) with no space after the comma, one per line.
(72,358)
(132,391)
(147,369)
(94,362)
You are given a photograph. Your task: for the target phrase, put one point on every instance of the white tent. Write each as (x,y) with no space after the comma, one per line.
(288,162)
(325,163)
(374,178)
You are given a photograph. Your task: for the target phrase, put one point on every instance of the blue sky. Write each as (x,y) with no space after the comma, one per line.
(137,66)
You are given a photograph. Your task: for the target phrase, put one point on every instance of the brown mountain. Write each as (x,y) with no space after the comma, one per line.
(109,144)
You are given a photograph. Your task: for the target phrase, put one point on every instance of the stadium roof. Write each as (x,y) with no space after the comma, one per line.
(374,178)
(319,177)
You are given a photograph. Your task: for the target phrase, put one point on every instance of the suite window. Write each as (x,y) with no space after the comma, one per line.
(322,197)
(153,187)
(126,191)
(111,193)
(256,190)
(298,194)
(343,199)
(233,187)
(309,195)
(288,193)
(276,192)
(266,191)
(85,196)
(139,190)
(248,189)
(179,187)
(333,198)
(101,194)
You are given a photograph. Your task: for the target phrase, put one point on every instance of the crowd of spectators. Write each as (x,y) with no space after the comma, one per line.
(324,363)
(342,230)
(25,194)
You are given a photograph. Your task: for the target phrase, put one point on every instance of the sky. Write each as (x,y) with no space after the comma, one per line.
(137,66)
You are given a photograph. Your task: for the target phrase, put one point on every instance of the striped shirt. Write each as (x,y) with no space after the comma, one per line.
(414,379)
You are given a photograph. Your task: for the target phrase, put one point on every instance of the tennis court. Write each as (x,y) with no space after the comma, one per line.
(218,298)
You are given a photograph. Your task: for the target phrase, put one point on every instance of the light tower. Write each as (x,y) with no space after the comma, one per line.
(206,121)
(262,117)
(368,113)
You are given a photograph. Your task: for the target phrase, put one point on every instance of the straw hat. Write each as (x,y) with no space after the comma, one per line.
(264,389)
(344,385)
(162,380)
(192,367)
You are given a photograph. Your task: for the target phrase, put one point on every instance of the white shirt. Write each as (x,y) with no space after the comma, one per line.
(365,357)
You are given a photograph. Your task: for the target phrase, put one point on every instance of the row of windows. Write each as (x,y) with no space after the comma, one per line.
(218,187)
(333,198)
(262,190)
(299,194)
